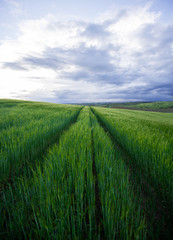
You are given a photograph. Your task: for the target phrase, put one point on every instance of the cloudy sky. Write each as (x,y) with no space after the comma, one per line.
(86,51)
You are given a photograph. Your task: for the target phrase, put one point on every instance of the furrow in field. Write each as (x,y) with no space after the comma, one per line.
(98,207)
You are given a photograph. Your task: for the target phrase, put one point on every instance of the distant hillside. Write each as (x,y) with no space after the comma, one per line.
(139,105)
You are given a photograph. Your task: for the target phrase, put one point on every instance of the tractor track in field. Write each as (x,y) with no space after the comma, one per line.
(98,205)
(39,155)
(154,216)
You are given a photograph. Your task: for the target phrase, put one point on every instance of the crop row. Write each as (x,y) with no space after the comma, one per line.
(147,138)
(121,209)
(60,201)
(28,134)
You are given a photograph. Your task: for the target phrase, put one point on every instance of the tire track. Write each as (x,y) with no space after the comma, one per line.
(98,206)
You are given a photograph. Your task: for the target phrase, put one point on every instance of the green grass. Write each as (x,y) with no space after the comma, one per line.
(156,105)
(144,105)
(26,130)
(121,209)
(147,138)
(62,191)
(65,176)
(59,200)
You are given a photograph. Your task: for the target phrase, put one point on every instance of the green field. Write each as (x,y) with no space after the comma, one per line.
(141,105)
(73,172)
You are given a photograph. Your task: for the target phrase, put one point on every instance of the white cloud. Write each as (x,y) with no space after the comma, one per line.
(125,55)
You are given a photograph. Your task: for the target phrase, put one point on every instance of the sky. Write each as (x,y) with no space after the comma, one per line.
(76,51)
